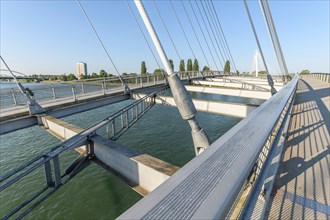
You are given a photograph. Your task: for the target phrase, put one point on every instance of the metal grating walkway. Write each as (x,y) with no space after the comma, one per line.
(303,184)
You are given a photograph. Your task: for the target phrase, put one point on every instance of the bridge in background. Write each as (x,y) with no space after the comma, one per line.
(240,174)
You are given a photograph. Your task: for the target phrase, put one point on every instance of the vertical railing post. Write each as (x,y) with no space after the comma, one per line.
(147,78)
(14,96)
(48,173)
(127,119)
(53,90)
(141,81)
(107,131)
(154,79)
(122,120)
(57,171)
(136,80)
(103,87)
(113,127)
(74,93)
(82,87)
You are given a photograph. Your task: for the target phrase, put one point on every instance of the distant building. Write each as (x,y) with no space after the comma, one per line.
(81,69)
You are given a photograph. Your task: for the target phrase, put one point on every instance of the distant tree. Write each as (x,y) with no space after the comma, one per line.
(171,63)
(304,72)
(53,78)
(181,67)
(71,77)
(158,71)
(82,76)
(109,75)
(63,77)
(94,75)
(143,68)
(103,73)
(237,72)
(206,68)
(196,65)
(189,65)
(227,67)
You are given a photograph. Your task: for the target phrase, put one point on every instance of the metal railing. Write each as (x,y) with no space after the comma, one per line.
(231,167)
(325,77)
(111,127)
(79,88)
(247,86)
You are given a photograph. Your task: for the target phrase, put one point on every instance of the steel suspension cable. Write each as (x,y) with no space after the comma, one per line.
(26,92)
(167,31)
(144,37)
(199,43)
(214,35)
(218,33)
(223,34)
(208,32)
(269,77)
(184,33)
(100,41)
(201,30)
(273,35)
(270,33)
(216,29)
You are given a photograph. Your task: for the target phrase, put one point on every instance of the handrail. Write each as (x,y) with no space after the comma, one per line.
(79,88)
(325,77)
(138,109)
(208,186)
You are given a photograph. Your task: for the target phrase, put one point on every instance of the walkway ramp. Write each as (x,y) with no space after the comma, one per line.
(303,184)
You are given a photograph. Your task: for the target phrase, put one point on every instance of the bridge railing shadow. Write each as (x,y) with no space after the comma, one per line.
(301,179)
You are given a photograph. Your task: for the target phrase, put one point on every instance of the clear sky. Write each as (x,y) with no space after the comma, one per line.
(49,37)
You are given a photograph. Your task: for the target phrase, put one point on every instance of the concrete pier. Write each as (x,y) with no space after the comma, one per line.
(215,107)
(142,172)
(230,92)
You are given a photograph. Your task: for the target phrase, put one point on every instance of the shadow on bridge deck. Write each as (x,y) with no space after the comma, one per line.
(303,183)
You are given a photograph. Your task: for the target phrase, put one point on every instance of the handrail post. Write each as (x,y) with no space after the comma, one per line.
(53,90)
(48,173)
(57,171)
(103,87)
(74,93)
(14,96)
(82,87)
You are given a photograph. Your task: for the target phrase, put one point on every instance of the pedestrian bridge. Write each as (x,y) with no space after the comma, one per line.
(274,163)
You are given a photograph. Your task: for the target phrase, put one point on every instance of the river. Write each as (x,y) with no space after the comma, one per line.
(94,193)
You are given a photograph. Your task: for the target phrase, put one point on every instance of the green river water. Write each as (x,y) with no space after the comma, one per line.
(95,193)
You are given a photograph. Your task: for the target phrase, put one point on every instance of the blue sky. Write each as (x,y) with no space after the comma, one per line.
(49,37)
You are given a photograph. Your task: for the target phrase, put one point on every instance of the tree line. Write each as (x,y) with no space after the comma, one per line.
(182,67)
(190,66)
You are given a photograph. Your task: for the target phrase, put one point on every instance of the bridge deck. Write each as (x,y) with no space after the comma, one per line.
(303,184)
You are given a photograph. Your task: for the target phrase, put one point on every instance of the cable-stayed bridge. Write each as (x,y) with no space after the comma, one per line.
(255,170)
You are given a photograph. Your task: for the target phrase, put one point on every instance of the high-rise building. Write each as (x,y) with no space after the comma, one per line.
(81,69)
